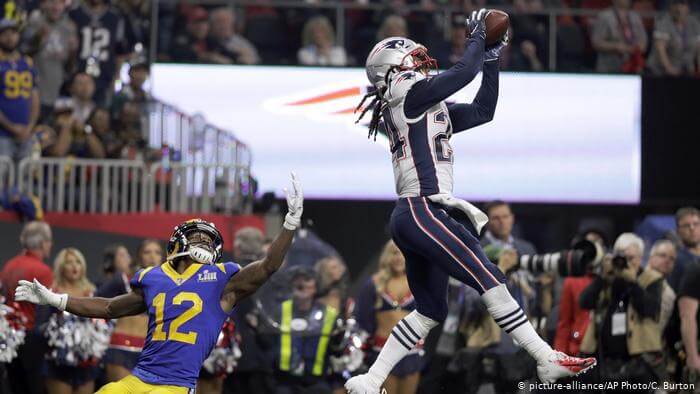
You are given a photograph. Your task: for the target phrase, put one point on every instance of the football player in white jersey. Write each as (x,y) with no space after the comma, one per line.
(420,124)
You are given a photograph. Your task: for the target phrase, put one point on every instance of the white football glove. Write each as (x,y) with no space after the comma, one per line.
(36,293)
(295,205)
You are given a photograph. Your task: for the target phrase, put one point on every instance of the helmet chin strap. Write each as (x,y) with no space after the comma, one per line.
(197,254)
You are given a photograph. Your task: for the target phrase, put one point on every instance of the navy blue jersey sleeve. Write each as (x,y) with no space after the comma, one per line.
(366,317)
(428,92)
(481,110)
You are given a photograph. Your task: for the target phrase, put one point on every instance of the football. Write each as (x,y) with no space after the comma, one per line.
(497,23)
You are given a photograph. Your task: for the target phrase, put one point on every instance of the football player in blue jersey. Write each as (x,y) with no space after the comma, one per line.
(411,103)
(187,300)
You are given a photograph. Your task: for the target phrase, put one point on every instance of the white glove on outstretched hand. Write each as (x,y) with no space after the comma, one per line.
(36,293)
(295,204)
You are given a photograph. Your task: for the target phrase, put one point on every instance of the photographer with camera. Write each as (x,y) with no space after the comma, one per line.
(625,332)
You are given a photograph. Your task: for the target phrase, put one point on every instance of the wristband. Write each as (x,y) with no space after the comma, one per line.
(291,223)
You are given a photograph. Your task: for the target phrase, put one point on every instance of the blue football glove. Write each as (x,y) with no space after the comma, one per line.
(493,51)
(476,24)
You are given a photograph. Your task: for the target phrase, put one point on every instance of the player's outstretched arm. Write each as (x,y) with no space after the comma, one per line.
(482,109)
(428,92)
(255,274)
(96,307)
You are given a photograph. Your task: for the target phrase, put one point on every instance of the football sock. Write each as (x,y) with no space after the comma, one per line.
(511,318)
(404,337)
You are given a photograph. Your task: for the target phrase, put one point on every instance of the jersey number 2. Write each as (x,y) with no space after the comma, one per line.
(173,334)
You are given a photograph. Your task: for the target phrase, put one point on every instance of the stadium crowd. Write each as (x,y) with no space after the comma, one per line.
(62,61)
(309,328)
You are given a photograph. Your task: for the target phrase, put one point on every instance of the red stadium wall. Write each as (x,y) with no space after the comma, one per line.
(152,225)
(91,233)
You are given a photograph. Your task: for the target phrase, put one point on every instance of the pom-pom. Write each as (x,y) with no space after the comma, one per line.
(76,341)
(12,332)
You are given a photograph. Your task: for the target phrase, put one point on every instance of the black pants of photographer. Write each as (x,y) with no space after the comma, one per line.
(24,372)
(637,369)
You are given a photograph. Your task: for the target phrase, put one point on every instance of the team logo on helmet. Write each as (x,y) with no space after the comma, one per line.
(180,246)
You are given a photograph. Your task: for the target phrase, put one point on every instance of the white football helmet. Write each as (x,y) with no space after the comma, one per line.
(396,54)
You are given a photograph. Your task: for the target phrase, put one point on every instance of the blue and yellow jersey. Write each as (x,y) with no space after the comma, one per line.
(184,320)
(17,80)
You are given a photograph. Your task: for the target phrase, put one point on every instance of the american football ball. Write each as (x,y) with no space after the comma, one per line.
(497,23)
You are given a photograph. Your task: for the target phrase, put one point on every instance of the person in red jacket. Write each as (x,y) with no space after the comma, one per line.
(573,320)
(36,242)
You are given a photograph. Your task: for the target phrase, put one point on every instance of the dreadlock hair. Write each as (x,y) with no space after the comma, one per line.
(378,104)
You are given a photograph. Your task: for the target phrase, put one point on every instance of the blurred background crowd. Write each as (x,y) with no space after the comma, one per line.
(71,93)
(633,304)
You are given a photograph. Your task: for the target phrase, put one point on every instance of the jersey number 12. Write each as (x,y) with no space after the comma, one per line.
(173,334)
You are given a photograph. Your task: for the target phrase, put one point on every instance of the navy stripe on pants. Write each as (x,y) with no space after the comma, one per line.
(436,246)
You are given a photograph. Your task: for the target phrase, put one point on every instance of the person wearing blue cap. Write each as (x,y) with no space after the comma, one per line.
(19,96)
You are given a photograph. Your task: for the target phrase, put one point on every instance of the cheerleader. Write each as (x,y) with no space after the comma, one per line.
(129,332)
(66,371)
(384,301)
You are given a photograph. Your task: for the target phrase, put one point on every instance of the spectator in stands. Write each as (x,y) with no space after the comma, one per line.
(19,98)
(253,374)
(73,137)
(688,301)
(70,277)
(82,90)
(195,46)
(130,144)
(115,261)
(51,39)
(384,301)
(229,43)
(620,40)
(137,24)
(393,26)
(319,49)
(133,91)
(688,229)
(455,48)
(101,42)
(624,329)
(36,242)
(661,259)
(676,49)
(100,123)
(528,33)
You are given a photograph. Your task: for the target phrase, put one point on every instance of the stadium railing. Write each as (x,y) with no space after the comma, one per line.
(85,185)
(125,186)
(7,172)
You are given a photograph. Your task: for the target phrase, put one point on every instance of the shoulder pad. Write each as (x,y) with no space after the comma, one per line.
(400,83)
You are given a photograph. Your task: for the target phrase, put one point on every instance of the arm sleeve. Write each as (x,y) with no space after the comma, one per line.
(566,308)
(647,301)
(426,93)
(365,308)
(589,295)
(482,109)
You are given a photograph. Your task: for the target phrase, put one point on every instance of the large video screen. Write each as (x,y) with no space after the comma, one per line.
(561,138)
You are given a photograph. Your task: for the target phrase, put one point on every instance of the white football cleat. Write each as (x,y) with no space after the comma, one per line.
(560,365)
(361,384)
